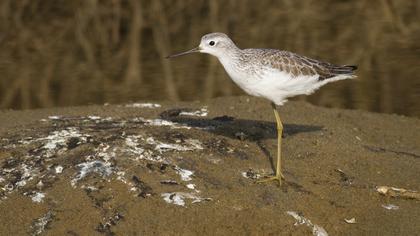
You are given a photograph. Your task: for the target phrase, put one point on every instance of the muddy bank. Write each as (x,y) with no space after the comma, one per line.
(190,168)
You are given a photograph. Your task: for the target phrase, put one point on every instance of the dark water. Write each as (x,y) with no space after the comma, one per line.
(60,53)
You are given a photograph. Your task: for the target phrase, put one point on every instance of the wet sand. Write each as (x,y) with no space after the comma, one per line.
(190,168)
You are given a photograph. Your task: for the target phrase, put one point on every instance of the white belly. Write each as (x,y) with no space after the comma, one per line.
(274,85)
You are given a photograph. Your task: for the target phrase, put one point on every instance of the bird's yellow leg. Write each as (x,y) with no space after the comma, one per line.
(278,176)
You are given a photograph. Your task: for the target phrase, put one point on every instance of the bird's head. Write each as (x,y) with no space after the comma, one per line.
(216,44)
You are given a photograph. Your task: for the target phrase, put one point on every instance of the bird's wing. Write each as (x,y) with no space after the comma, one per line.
(298,65)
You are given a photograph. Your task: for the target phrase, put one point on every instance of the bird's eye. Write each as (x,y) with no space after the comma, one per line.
(211,43)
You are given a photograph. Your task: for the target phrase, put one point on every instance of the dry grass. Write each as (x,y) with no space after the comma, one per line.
(57,53)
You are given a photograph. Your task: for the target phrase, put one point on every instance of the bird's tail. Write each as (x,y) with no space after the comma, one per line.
(336,72)
(343,70)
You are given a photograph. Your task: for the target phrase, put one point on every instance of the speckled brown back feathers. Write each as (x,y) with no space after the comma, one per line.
(295,64)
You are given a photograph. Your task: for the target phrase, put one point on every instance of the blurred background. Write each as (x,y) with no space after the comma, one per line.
(62,52)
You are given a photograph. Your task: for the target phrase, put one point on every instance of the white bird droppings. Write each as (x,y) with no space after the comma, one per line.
(191,186)
(59,169)
(350,221)
(201,113)
(58,139)
(184,173)
(391,207)
(300,220)
(39,225)
(178,198)
(174,198)
(38,197)
(54,117)
(160,122)
(99,167)
(191,144)
(143,105)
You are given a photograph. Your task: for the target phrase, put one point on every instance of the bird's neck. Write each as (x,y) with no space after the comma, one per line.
(229,56)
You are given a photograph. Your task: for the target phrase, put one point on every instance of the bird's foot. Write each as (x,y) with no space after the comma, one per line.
(278,177)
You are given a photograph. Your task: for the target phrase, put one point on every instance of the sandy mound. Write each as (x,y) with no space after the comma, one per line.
(190,168)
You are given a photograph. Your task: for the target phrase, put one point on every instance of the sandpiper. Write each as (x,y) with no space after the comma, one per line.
(272,74)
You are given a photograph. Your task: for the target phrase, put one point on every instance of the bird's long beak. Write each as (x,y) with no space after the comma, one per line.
(197,49)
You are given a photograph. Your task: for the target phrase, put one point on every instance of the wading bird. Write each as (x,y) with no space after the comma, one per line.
(272,74)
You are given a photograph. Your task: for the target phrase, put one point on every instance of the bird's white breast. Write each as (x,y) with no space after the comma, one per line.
(245,79)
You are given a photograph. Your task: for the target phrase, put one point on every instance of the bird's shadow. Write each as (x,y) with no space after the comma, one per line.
(243,129)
